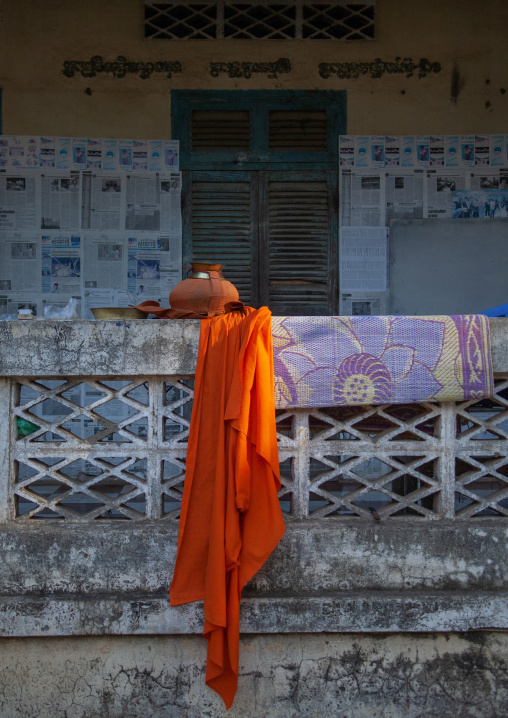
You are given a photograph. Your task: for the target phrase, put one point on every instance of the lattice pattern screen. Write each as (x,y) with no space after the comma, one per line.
(95,449)
(260,20)
(99,449)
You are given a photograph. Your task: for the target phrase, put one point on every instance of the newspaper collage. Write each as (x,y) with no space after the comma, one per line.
(384,178)
(94,219)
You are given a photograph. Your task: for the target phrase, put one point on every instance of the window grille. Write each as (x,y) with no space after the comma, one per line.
(260,20)
(301,131)
(220,130)
(288,130)
(114,449)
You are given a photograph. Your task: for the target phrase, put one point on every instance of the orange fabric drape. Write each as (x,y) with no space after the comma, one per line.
(153,307)
(231,519)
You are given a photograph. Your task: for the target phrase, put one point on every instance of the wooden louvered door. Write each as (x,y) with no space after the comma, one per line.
(220,225)
(274,231)
(260,171)
(298,247)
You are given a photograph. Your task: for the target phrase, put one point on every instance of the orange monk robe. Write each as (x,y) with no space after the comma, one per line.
(231,519)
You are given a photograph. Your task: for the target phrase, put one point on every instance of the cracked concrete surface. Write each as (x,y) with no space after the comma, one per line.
(110,347)
(97,348)
(79,580)
(282,676)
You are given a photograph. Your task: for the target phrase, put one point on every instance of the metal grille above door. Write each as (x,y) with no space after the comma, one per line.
(260,20)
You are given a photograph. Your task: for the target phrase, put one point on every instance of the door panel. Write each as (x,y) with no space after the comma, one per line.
(260,191)
(220,226)
(299,244)
(275,232)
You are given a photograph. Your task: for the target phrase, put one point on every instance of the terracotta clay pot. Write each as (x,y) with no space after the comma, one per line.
(204,293)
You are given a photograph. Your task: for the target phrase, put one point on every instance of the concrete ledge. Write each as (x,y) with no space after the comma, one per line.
(114,579)
(385,612)
(134,348)
(313,557)
(499,344)
(99,348)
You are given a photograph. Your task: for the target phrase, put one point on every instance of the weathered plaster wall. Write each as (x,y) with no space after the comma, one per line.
(290,675)
(466,38)
(89,580)
(106,587)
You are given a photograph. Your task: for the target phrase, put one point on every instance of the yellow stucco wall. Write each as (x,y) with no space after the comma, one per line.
(37,36)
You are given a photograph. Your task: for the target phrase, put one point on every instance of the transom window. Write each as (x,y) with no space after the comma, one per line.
(259,20)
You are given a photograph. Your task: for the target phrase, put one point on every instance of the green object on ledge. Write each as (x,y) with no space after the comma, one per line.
(25,428)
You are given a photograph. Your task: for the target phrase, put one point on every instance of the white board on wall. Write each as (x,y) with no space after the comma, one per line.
(448,266)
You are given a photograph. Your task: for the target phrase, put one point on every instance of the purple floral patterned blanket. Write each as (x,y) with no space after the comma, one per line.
(329,361)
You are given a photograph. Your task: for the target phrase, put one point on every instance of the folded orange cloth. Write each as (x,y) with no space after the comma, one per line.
(231,519)
(153,307)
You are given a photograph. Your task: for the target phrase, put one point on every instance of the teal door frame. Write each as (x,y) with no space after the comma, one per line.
(204,164)
(259,103)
